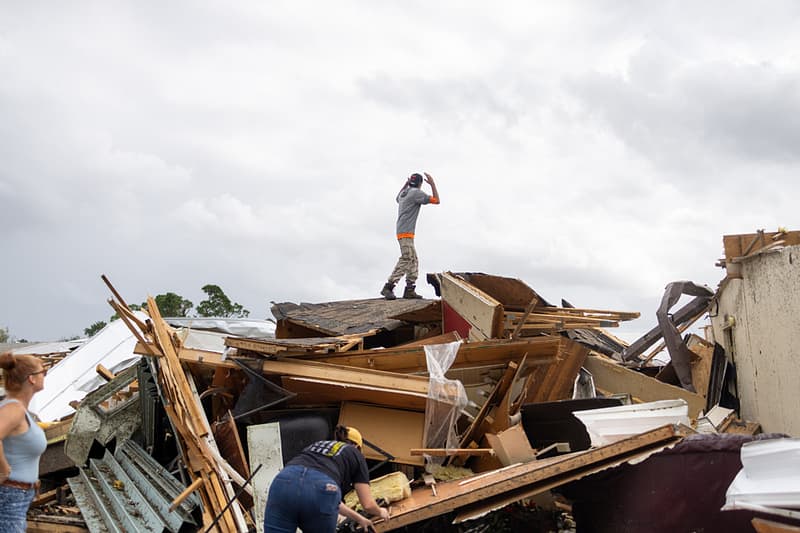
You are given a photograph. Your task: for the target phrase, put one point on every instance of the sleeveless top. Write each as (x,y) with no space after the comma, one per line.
(23,451)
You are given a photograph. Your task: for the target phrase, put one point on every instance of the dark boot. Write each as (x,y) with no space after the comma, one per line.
(409,293)
(388,291)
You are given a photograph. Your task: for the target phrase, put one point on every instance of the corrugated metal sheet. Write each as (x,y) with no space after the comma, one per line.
(129,491)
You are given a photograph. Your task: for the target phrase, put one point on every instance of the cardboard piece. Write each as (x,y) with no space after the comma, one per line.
(511,446)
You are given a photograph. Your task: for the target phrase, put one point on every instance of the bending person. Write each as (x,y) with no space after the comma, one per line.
(307,493)
(22,441)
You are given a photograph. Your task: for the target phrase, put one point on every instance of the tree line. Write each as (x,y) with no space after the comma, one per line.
(216,304)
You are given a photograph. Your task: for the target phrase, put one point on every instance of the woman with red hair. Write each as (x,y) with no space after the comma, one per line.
(22,441)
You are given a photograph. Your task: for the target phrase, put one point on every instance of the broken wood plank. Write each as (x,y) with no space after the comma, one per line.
(188,418)
(540,350)
(444,452)
(180,498)
(555,382)
(497,488)
(104,373)
(524,318)
(315,370)
(444,338)
(495,396)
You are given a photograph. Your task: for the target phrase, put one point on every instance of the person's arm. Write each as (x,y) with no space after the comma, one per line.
(434,191)
(11,416)
(362,520)
(368,502)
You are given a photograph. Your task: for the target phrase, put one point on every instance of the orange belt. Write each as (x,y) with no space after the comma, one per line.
(21,484)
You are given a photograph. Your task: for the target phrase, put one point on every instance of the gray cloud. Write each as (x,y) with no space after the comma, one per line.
(593,151)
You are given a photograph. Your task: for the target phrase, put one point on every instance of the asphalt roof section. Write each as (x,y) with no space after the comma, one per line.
(350,317)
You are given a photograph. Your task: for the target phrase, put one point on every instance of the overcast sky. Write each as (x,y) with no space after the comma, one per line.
(596,150)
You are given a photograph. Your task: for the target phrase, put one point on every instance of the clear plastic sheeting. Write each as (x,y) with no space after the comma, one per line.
(446,399)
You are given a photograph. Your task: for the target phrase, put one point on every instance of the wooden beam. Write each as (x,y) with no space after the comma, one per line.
(540,351)
(179,499)
(444,452)
(104,373)
(315,370)
(524,318)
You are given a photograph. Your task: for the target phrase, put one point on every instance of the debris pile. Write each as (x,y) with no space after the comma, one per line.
(486,396)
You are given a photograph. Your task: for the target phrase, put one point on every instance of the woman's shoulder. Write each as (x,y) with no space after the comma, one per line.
(12,411)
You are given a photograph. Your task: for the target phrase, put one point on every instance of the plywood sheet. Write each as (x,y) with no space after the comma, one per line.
(484,313)
(393,430)
(611,377)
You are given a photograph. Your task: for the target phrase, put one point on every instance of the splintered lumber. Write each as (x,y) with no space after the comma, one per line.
(503,486)
(495,397)
(738,246)
(194,436)
(560,318)
(556,381)
(540,351)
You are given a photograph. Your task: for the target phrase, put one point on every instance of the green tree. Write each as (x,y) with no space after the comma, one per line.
(133,307)
(4,335)
(171,304)
(219,305)
(94,328)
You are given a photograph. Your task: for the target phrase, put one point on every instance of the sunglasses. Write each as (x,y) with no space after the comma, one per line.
(42,371)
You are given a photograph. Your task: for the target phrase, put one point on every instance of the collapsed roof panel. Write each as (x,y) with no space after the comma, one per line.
(75,376)
(350,317)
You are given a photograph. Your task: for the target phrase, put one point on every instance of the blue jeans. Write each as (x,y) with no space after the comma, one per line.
(14,505)
(304,498)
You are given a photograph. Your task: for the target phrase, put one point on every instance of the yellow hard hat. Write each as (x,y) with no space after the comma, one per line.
(354,436)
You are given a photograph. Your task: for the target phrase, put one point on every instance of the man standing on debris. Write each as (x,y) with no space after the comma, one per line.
(409,200)
(22,441)
(308,492)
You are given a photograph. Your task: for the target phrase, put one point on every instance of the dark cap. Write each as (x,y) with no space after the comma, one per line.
(415,180)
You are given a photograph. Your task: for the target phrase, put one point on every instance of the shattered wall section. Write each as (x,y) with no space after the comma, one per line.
(756,321)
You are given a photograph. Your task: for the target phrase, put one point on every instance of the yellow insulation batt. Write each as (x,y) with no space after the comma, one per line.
(391,488)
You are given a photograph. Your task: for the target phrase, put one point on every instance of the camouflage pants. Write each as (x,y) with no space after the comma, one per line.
(407,265)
